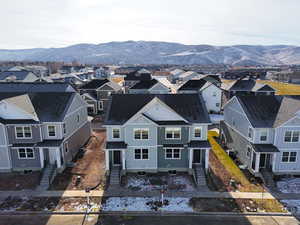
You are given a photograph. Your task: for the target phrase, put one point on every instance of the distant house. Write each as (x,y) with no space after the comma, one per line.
(68,78)
(210,92)
(157,133)
(214,79)
(149,87)
(264,133)
(21,76)
(245,87)
(97,93)
(174,75)
(41,130)
(135,77)
(238,74)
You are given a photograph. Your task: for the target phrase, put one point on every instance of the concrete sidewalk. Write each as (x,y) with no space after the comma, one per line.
(127,193)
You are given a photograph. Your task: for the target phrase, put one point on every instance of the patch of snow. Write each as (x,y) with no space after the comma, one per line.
(216,118)
(142,204)
(289,185)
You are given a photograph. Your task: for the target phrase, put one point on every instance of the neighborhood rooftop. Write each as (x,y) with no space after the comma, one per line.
(94,84)
(193,85)
(35,87)
(145,84)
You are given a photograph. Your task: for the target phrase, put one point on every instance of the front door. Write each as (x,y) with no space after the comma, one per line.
(46,156)
(265,160)
(197,156)
(117,157)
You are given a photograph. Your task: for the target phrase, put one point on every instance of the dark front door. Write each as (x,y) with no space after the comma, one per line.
(46,156)
(116,157)
(197,156)
(265,160)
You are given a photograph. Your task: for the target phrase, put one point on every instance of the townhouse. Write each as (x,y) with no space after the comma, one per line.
(157,133)
(149,87)
(263,132)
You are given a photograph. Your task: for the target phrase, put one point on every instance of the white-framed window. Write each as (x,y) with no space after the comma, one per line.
(26,153)
(173,133)
(23,132)
(100,105)
(51,131)
(248,153)
(141,134)
(197,132)
(291,136)
(263,135)
(289,157)
(141,153)
(250,132)
(172,153)
(116,133)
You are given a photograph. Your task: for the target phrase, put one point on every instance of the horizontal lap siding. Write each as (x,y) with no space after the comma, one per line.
(163,163)
(25,163)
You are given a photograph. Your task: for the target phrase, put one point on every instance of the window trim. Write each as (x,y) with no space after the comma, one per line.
(141,135)
(23,131)
(250,129)
(173,133)
(166,158)
(289,156)
(200,132)
(292,132)
(141,153)
(54,131)
(100,103)
(112,133)
(267,135)
(26,148)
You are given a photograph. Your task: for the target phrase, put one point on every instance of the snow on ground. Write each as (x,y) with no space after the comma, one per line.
(143,204)
(289,185)
(292,206)
(216,118)
(148,183)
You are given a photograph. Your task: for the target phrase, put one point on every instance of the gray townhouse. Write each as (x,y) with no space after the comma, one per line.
(157,133)
(97,93)
(22,76)
(152,86)
(41,130)
(264,133)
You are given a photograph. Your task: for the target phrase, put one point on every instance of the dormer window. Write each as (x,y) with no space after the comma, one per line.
(197,132)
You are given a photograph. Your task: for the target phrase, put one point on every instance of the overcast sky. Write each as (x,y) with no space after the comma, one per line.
(58,23)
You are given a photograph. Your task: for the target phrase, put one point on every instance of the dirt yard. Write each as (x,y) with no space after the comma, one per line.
(89,166)
(19,181)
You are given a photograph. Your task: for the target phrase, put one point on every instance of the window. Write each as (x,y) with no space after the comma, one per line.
(23,132)
(217,104)
(109,93)
(172,153)
(51,131)
(26,153)
(289,157)
(263,135)
(214,94)
(173,133)
(250,132)
(116,133)
(141,134)
(78,118)
(66,147)
(64,128)
(291,136)
(141,153)
(100,105)
(249,150)
(197,132)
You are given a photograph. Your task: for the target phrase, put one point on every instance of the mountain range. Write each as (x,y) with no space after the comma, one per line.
(149,52)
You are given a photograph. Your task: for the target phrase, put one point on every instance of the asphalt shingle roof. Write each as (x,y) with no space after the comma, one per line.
(192,85)
(94,84)
(20,75)
(144,84)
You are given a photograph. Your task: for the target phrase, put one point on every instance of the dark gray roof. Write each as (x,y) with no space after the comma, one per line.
(29,87)
(46,143)
(144,84)
(20,75)
(94,84)
(137,76)
(264,148)
(199,144)
(173,145)
(249,85)
(193,85)
(115,145)
(123,106)
(269,111)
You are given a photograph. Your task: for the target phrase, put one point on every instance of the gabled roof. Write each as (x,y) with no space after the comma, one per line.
(94,84)
(144,84)
(269,111)
(248,85)
(124,106)
(20,75)
(215,79)
(192,85)
(137,76)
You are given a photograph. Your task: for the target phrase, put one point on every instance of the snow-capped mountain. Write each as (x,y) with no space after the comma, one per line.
(148,52)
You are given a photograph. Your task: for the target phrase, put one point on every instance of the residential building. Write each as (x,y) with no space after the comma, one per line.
(149,87)
(21,76)
(157,133)
(264,133)
(97,92)
(134,77)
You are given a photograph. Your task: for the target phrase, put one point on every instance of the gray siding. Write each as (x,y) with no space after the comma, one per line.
(270,137)
(36,134)
(58,130)
(23,164)
(163,163)
(4,158)
(129,135)
(3,138)
(134,164)
(109,133)
(184,136)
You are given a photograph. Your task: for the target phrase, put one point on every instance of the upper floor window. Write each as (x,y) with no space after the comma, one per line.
(141,134)
(197,132)
(289,157)
(23,132)
(26,153)
(214,94)
(263,135)
(141,153)
(248,153)
(51,131)
(116,133)
(173,133)
(250,132)
(100,105)
(64,128)
(172,153)
(291,136)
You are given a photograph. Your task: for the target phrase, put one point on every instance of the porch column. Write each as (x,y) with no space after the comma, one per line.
(257,162)
(191,158)
(41,157)
(58,158)
(106,159)
(274,161)
(206,158)
(123,159)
